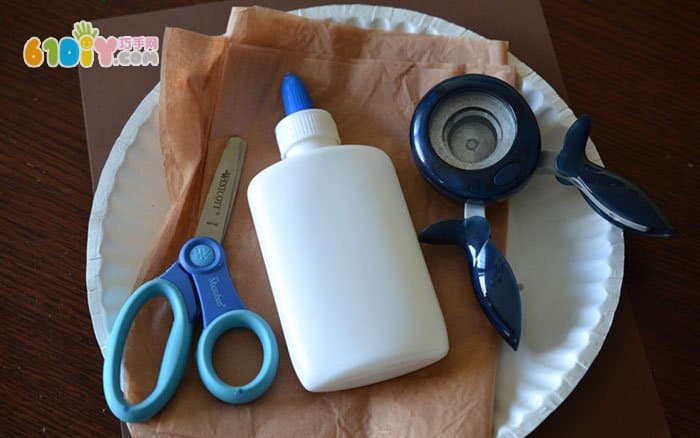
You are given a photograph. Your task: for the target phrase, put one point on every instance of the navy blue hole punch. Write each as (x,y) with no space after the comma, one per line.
(476,140)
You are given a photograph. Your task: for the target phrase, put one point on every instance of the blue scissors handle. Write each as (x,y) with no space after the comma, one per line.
(204,259)
(201,267)
(255,388)
(174,356)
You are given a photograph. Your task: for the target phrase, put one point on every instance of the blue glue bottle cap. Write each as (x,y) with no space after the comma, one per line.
(305,127)
(294,95)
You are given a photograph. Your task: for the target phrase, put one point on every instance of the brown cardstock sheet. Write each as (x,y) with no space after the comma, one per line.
(215,87)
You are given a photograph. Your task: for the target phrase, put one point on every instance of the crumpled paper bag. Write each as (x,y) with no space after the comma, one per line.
(216,87)
(325,39)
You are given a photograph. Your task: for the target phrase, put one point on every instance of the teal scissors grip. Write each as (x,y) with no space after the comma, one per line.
(174,356)
(201,267)
(256,387)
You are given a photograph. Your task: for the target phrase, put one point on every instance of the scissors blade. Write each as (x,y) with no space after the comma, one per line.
(222,191)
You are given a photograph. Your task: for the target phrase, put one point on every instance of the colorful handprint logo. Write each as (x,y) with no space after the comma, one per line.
(85,34)
(80,49)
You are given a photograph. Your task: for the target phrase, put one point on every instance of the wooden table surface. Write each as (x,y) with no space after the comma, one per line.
(632,65)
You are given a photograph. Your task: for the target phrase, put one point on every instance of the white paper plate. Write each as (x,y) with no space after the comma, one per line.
(569,260)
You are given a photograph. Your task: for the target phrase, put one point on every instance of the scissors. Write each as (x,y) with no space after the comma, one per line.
(201,267)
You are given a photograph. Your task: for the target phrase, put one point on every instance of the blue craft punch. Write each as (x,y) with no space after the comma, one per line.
(476,140)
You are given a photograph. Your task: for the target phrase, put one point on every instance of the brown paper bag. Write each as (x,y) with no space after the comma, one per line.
(325,39)
(215,87)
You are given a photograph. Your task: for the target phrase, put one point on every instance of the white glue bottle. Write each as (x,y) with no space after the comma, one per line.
(348,277)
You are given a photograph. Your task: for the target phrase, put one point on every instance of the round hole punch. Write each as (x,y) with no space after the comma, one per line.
(476,140)
(467,130)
